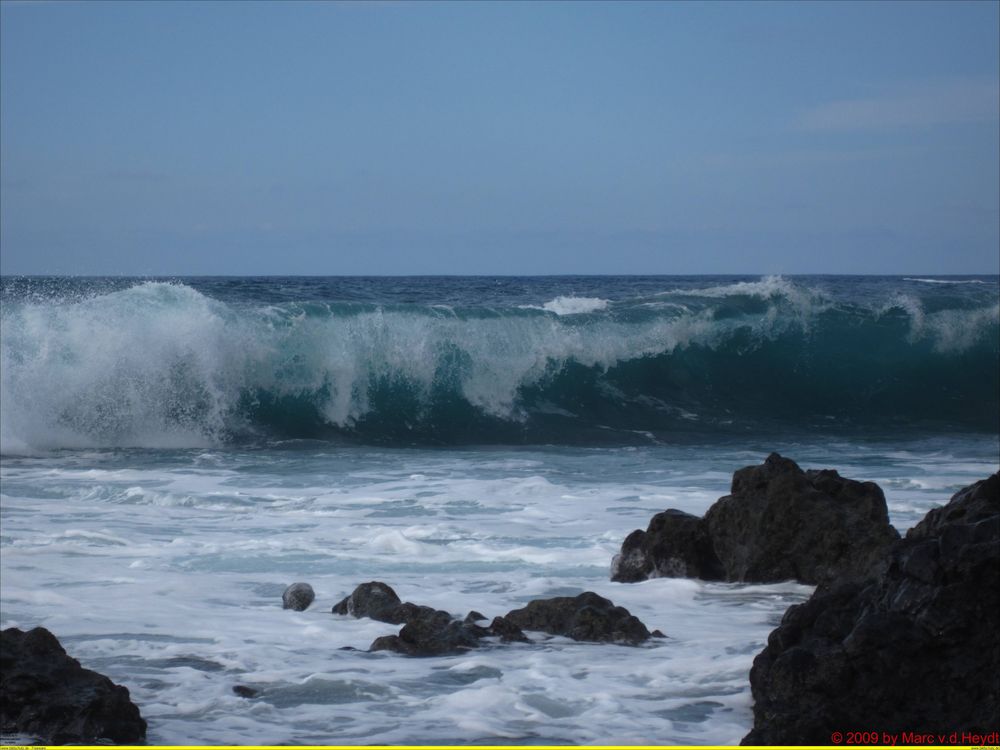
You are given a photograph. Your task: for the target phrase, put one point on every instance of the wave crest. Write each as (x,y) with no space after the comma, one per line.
(162,365)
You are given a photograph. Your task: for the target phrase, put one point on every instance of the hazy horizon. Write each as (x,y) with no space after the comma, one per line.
(168,276)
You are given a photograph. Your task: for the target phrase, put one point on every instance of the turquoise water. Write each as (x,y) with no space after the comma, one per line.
(457,361)
(176,452)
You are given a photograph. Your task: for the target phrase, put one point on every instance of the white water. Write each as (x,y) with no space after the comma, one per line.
(575,305)
(162,365)
(164,570)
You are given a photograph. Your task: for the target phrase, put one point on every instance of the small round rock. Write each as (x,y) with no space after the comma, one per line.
(298,596)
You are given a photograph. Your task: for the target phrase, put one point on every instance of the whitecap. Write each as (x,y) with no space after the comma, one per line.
(569,305)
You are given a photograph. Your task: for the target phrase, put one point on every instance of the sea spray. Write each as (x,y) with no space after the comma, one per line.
(164,567)
(192,362)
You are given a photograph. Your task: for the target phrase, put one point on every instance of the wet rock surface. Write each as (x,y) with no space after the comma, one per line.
(431,637)
(373,599)
(587,617)
(675,545)
(298,596)
(46,694)
(778,523)
(378,601)
(911,648)
(426,631)
(244,691)
(433,632)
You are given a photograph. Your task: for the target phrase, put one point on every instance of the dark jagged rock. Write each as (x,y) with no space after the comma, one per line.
(408,612)
(781,523)
(430,637)
(426,631)
(507,631)
(298,596)
(969,506)
(378,601)
(46,694)
(587,617)
(778,523)
(433,632)
(245,692)
(375,600)
(913,648)
(675,545)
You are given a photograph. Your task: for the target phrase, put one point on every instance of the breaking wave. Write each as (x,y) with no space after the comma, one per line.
(160,364)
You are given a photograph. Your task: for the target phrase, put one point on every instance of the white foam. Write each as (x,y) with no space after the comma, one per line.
(162,366)
(949,330)
(182,601)
(767,287)
(575,305)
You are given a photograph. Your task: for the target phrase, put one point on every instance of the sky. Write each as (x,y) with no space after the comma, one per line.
(231,138)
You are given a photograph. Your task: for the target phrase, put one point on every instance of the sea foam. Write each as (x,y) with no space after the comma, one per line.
(162,365)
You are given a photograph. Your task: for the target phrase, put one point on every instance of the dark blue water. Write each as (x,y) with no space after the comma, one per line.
(482,360)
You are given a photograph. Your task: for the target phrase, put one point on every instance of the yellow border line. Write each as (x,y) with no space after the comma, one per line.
(484,747)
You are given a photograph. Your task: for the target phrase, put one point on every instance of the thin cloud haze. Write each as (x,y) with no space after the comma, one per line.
(923,105)
(498,138)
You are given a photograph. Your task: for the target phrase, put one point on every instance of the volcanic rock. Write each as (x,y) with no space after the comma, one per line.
(426,631)
(430,637)
(587,617)
(778,523)
(913,648)
(507,631)
(298,596)
(376,600)
(675,545)
(46,694)
(433,632)
(781,523)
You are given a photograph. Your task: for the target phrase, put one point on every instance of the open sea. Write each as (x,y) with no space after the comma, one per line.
(175,452)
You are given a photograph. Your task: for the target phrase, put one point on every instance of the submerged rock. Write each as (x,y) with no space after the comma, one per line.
(507,631)
(587,617)
(426,631)
(434,632)
(912,648)
(46,694)
(431,637)
(373,599)
(245,691)
(778,523)
(378,601)
(298,596)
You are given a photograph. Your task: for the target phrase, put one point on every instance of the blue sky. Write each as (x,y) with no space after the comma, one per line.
(499,138)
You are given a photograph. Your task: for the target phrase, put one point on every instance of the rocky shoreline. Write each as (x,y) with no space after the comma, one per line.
(46,694)
(778,523)
(900,634)
(912,648)
(434,632)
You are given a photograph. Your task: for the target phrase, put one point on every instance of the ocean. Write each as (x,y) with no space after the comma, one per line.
(175,452)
